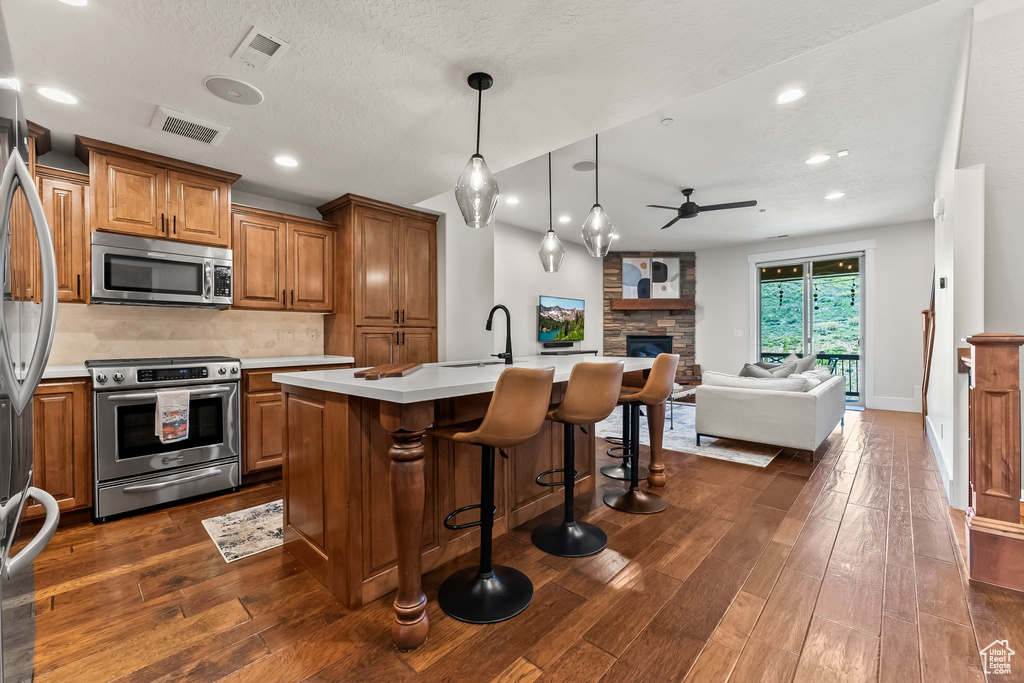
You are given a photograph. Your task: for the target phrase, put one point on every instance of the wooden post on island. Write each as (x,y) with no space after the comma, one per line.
(407,424)
(995,536)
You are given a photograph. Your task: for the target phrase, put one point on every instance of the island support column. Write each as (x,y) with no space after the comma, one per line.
(656,428)
(407,424)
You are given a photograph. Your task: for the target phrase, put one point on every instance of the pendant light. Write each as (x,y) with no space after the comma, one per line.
(598,231)
(477,190)
(551,249)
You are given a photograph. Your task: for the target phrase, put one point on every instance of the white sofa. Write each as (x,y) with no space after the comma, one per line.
(791,419)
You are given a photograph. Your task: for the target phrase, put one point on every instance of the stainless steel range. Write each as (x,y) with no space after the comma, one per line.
(133,468)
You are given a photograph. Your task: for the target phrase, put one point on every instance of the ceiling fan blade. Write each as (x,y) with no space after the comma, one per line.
(659,206)
(671,222)
(733,205)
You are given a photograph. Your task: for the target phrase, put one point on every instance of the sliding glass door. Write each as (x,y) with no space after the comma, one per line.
(814,306)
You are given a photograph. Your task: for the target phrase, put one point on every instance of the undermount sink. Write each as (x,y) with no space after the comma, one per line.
(474,364)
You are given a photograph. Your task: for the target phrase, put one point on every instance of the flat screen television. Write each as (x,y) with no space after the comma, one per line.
(560,319)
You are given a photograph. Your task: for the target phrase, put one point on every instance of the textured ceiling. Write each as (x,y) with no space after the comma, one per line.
(882,94)
(372,96)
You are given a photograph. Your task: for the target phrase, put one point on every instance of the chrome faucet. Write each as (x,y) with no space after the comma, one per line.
(508,333)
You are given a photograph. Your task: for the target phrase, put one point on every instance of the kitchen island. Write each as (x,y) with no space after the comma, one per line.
(365,493)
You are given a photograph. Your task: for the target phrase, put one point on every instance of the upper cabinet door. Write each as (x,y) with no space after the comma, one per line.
(417,273)
(376,279)
(64,205)
(310,268)
(199,209)
(259,262)
(129,196)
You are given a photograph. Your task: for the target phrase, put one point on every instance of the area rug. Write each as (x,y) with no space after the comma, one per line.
(240,534)
(683,438)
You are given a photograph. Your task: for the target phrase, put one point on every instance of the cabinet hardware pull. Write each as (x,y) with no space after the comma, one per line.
(284,298)
(396,316)
(396,336)
(403,337)
(403,316)
(163,227)
(293,297)
(175,224)
(78,286)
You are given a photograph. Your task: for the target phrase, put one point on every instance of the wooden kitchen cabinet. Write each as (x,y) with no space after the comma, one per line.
(62,444)
(24,267)
(391,253)
(147,195)
(282,262)
(65,203)
(263,419)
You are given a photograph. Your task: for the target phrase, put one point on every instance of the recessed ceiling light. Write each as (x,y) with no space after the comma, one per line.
(791,95)
(835,195)
(76,3)
(232,90)
(564,219)
(56,95)
(286,161)
(667,121)
(842,153)
(584,166)
(512,200)
(818,159)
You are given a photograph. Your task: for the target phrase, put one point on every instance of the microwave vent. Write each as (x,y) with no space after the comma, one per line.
(260,49)
(177,123)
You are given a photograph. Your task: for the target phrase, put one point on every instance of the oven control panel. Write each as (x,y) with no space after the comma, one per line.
(171,374)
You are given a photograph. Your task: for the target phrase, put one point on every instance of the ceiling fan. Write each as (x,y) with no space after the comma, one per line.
(689,208)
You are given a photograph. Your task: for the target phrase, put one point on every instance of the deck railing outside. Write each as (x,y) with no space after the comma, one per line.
(847,364)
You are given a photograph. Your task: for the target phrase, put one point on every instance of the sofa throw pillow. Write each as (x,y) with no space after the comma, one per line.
(802,364)
(784,370)
(766,365)
(751,370)
(720,379)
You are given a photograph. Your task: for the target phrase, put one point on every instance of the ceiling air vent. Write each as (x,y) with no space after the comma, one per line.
(177,123)
(260,49)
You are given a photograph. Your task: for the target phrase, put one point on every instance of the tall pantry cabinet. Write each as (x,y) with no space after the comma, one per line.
(386,312)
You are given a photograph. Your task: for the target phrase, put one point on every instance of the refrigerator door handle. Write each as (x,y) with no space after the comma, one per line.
(35,546)
(21,391)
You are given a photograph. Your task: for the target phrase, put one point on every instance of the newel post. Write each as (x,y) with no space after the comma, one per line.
(995,536)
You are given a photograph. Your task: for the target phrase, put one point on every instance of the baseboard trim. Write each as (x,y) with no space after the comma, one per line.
(940,460)
(902,405)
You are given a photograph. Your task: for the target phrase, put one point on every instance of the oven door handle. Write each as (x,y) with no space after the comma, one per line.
(132,398)
(205,474)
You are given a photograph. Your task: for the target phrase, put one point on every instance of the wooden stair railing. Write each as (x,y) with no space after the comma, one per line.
(995,535)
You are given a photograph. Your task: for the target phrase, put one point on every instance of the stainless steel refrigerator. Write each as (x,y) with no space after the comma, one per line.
(27,320)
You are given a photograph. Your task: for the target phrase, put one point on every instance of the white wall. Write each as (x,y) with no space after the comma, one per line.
(903,262)
(465,272)
(519,279)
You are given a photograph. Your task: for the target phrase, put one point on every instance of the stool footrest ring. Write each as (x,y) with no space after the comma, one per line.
(575,476)
(467,525)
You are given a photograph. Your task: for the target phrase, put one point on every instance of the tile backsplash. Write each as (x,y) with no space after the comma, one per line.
(100,331)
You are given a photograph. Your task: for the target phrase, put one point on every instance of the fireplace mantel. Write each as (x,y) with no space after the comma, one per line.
(629,305)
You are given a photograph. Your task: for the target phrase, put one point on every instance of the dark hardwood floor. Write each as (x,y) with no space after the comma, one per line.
(848,569)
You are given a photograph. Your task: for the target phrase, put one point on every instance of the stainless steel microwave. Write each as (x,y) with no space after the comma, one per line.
(144,272)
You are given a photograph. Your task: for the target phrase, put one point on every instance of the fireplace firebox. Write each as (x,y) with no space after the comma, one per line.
(647,346)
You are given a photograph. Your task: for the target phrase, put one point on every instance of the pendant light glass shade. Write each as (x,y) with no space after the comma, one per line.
(551,249)
(477,191)
(598,230)
(551,252)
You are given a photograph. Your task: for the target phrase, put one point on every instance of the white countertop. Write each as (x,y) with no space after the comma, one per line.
(64,371)
(293,361)
(440,380)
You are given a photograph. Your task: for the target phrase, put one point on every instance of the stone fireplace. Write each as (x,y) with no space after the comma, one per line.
(671,319)
(647,345)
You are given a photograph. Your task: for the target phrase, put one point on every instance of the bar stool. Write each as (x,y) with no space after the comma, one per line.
(590,397)
(657,388)
(622,470)
(491,593)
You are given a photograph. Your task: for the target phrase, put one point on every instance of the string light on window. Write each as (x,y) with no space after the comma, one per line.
(815,296)
(853,294)
(780,294)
